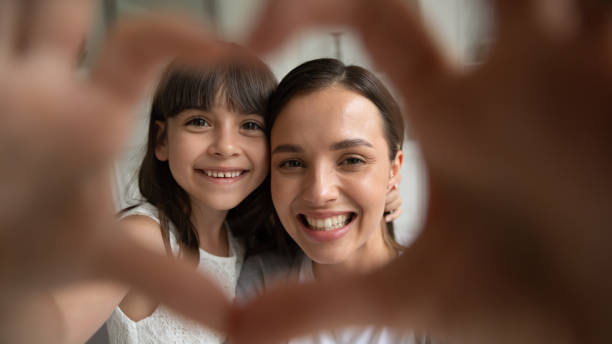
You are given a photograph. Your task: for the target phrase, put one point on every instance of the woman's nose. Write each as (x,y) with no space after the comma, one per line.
(320,187)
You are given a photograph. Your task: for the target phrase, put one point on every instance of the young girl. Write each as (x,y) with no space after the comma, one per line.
(201,182)
(335,142)
(206,152)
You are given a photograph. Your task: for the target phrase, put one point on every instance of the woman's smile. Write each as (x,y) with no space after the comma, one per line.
(323,227)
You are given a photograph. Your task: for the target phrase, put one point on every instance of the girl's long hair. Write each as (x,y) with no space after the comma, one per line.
(244,85)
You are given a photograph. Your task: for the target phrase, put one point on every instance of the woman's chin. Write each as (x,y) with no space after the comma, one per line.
(326,256)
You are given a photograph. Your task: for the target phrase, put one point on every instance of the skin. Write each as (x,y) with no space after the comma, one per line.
(543,199)
(65,129)
(219,139)
(61,132)
(516,238)
(310,178)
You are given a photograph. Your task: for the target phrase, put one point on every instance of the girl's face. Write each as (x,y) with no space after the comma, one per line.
(218,157)
(330,174)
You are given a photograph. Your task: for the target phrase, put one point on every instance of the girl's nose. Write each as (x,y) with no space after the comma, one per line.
(225,144)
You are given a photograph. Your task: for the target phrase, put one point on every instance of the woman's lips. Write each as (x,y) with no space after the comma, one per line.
(329,228)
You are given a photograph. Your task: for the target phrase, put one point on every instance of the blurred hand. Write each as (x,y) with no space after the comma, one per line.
(517,238)
(60,132)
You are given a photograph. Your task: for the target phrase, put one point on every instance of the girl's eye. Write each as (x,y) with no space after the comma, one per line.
(352,161)
(293,163)
(252,125)
(198,122)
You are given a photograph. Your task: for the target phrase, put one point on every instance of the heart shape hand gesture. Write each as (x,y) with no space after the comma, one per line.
(516,241)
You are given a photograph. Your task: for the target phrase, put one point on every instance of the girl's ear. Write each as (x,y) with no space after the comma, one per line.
(161,149)
(396,166)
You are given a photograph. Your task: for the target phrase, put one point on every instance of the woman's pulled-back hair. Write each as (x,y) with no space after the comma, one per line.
(243,85)
(318,74)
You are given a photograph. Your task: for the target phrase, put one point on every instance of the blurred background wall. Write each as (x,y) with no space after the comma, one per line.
(461,27)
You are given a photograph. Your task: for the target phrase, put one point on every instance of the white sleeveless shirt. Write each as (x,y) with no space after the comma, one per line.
(165,326)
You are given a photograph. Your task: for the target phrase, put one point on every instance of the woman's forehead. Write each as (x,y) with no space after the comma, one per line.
(329,114)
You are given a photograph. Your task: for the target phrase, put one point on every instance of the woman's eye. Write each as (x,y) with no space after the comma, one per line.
(291,164)
(198,122)
(252,126)
(352,161)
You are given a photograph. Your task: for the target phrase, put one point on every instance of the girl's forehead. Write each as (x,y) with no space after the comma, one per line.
(217,111)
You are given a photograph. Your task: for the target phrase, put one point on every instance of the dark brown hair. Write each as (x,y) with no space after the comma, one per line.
(243,86)
(321,73)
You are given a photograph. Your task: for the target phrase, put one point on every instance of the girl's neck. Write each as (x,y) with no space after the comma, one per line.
(212,234)
(372,255)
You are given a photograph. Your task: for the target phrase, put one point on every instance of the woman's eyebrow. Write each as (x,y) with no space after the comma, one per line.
(350,143)
(287,148)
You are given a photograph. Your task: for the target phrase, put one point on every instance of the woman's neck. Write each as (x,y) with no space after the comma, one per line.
(209,224)
(370,256)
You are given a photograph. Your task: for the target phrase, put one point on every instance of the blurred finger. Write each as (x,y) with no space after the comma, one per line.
(138,49)
(58,26)
(393,199)
(322,306)
(9,13)
(594,14)
(393,34)
(282,19)
(394,215)
(175,283)
(558,17)
(514,17)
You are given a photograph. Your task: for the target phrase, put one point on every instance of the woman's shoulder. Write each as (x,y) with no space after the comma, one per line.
(263,270)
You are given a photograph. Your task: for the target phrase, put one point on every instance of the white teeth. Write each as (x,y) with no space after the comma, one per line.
(327,224)
(216,174)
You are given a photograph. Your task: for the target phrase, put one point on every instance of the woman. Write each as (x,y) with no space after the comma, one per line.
(335,141)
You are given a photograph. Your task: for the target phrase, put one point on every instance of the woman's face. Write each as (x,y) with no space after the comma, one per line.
(330,173)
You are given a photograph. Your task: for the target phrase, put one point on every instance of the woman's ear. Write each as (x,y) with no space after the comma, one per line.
(396,166)
(161,147)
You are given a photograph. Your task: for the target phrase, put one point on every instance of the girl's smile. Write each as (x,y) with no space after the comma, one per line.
(222,175)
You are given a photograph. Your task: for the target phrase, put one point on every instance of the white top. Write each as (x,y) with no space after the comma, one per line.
(165,326)
(264,270)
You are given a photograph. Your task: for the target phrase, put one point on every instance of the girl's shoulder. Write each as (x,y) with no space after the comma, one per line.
(143,209)
(142,224)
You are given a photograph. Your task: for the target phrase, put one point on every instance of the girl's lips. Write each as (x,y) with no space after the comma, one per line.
(221,180)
